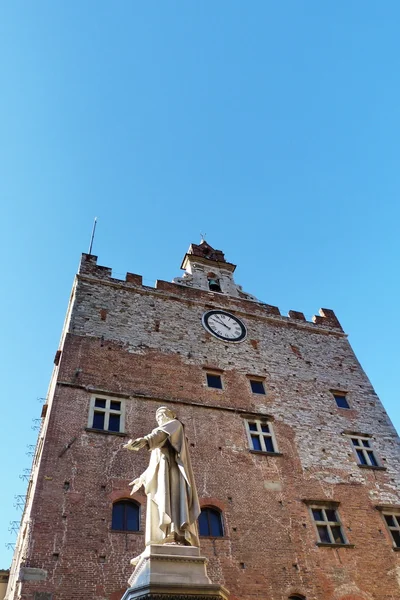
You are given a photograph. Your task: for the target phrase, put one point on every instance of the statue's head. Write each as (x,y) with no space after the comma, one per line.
(164,414)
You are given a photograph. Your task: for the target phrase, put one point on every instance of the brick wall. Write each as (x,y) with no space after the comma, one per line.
(148,347)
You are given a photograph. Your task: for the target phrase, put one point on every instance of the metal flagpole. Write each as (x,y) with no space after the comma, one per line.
(92,238)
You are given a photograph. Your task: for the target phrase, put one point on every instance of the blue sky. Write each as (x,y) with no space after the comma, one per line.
(273,127)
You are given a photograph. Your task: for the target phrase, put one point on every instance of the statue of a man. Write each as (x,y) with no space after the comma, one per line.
(172,502)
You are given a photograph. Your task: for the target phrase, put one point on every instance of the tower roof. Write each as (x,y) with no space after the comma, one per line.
(205,252)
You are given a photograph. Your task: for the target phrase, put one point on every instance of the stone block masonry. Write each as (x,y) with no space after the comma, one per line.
(146,347)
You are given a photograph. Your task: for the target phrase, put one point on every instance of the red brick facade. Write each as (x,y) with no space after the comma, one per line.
(147,347)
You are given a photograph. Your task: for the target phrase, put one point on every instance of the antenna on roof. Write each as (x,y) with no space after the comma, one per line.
(92,238)
(203,237)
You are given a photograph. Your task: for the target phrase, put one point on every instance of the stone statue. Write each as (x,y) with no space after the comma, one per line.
(172,502)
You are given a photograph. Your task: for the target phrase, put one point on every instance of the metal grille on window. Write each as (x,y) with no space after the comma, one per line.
(328,525)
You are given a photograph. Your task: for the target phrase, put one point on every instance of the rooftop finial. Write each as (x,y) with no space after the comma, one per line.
(203,237)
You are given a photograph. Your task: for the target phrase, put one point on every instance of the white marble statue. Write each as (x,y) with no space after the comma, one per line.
(172,502)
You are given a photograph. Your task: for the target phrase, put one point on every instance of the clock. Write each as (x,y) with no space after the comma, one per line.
(224,326)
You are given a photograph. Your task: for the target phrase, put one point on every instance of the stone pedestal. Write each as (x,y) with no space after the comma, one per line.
(172,573)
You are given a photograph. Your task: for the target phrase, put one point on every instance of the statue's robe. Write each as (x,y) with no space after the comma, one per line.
(172,501)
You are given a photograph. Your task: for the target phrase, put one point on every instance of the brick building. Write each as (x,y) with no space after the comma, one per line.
(295,458)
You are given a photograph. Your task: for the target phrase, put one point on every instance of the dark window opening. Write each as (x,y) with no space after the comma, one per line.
(214,381)
(269,446)
(125,516)
(98,420)
(341,401)
(255,440)
(257,386)
(100,403)
(113,422)
(210,523)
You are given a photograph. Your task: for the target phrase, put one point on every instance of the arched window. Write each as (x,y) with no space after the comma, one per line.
(213,283)
(210,522)
(297,597)
(125,516)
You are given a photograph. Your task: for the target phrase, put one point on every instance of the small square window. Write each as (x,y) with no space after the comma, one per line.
(393,525)
(328,525)
(261,436)
(214,381)
(106,414)
(341,400)
(257,386)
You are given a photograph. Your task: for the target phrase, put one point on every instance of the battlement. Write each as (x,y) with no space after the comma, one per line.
(89,267)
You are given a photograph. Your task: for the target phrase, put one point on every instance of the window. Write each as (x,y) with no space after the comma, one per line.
(214,381)
(210,522)
(393,524)
(260,435)
(106,414)
(296,597)
(364,452)
(125,516)
(341,400)
(257,386)
(328,525)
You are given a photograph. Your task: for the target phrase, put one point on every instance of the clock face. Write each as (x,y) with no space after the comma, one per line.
(224,326)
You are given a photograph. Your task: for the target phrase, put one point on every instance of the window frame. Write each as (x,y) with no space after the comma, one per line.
(327,524)
(259,380)
(106,411)
(126,502)
(217,511)
(365,450)
(259,422)
(214,374)
(395,514)
(345,395)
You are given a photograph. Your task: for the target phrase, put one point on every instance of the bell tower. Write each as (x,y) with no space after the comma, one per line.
(295,460)
(206,269)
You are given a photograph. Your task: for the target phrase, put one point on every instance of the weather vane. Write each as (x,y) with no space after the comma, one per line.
(203,237)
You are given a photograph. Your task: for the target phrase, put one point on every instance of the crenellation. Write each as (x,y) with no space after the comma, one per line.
(295,314)
(326,318)
(146,347)
(133,278)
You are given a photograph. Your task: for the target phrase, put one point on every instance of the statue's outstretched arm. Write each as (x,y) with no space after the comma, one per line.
(136,444)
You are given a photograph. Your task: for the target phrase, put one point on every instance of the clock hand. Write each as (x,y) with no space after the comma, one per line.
(222,323)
